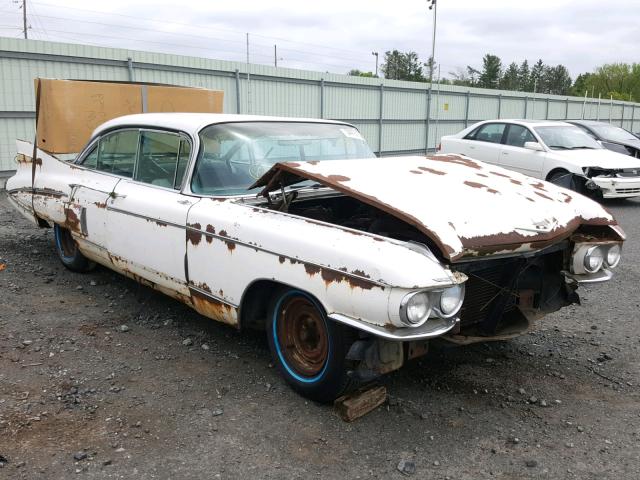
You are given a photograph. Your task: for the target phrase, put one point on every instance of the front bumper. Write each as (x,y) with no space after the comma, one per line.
(434,327)
(618,187)
(598,277)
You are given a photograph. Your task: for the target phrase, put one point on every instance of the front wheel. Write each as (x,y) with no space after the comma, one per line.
(308,348)
(68,251)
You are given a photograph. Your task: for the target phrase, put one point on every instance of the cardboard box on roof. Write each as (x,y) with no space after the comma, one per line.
(69,110)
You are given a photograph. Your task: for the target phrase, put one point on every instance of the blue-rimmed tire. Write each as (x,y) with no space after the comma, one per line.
(68,251)
(308,348)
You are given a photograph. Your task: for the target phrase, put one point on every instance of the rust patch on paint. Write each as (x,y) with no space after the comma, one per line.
(210,230)
(482,175)
(568,197)
(480,185)
(231,245)
(515,182)
(194,236)
(416,172)
(432,170)
(72,222)
(311,269)
(100,204)
(213,308)
(498,174)
(543,195)
(331,276)
(338,178)
(467,162)
(539,186)
(313,162)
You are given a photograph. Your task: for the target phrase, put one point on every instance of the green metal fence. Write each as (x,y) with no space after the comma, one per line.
(392,115)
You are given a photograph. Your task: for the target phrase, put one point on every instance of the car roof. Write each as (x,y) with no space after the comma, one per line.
(527,121)
(588,122)
(193,122)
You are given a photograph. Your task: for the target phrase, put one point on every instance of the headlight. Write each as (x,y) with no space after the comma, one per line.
(451,301)
(593,259)
(415,309)
(613,256)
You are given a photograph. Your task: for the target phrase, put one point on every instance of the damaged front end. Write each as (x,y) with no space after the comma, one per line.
(518,247)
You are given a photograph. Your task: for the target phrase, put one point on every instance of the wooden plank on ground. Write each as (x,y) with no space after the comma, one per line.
(356,404)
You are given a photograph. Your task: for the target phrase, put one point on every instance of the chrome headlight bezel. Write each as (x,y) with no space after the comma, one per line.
(459,291)
(406,305)
(593,252)
(583,252)
(617,251)
(433,300)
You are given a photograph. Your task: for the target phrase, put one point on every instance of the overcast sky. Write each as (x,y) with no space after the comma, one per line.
(336,35)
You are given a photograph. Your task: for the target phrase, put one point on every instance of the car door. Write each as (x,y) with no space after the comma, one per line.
(147,214)
(514,156)
(484,143)
(83,210)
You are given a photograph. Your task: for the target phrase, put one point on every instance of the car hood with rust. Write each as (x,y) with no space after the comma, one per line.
(467,208)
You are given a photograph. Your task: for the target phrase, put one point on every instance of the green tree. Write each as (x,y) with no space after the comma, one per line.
(523,76)
(536,78)
(620,80)
(357,73)
(510,78)
(556,80)
(402,66)
(581,84)
(491,71)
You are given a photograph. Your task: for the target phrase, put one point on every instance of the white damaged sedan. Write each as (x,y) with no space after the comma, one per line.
(558,152)
(350,263)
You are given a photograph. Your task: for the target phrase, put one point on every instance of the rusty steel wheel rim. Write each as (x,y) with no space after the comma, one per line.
(67,243)
(303,338)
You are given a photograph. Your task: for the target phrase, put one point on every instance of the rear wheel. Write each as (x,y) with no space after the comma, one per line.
(68,251)
(308,348)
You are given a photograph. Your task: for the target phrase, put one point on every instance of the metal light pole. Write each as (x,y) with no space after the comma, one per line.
(432,6)
(375,54)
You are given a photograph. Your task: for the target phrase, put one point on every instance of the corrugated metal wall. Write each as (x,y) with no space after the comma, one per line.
(392,115)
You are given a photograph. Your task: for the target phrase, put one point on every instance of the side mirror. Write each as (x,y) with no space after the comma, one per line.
(533,146)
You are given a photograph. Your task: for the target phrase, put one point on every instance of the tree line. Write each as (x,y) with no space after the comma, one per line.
(618,80)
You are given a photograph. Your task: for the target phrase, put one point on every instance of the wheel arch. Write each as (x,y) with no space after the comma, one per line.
(554,171)
(256,298)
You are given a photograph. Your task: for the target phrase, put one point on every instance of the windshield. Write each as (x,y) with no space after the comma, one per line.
(234,155)
(615,134)
(563,137)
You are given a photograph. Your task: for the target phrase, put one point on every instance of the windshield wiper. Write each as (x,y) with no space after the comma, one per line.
(562,147)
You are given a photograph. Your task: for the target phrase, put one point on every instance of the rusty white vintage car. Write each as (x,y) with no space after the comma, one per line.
(350,263)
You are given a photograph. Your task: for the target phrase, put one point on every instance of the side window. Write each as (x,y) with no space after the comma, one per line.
(158,160)
(518,135)
(117,153)
(491,132)
(472,135)
(91,160)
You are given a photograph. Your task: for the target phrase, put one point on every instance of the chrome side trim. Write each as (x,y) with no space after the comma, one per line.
(288,257)
(144,217)
(430,329)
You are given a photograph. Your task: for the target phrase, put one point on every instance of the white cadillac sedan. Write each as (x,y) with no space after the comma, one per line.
(350,263)
(554,151)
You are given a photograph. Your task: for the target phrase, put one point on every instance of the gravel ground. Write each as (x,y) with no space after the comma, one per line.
(102,378)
